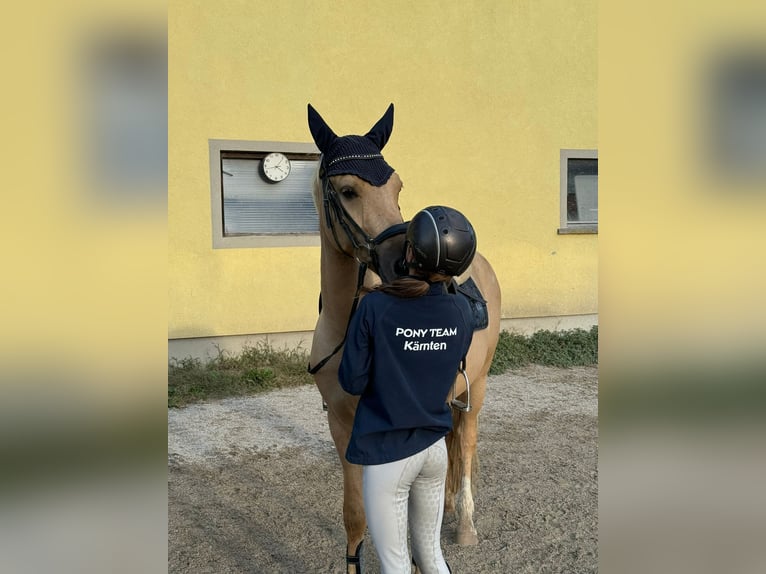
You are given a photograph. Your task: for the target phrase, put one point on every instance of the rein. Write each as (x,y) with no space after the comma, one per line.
(359,283)
(334,207)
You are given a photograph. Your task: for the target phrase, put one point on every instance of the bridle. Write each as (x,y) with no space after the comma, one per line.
(360,240)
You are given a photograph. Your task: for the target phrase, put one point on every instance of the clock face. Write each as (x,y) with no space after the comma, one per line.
(276,166)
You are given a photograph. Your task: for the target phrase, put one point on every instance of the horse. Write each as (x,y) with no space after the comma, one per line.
(362,234)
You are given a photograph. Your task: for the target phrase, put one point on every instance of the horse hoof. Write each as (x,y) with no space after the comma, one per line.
(467,538)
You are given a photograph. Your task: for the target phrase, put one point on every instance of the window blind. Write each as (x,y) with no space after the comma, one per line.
(253,206)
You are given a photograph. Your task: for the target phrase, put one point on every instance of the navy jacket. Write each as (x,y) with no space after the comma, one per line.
(402,356)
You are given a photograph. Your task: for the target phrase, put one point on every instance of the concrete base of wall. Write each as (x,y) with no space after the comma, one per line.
(208,347)
(205,348)
(529,325)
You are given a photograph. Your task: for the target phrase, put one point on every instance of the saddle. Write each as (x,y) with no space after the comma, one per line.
(476,301)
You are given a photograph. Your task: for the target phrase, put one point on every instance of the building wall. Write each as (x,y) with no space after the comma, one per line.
(486,95)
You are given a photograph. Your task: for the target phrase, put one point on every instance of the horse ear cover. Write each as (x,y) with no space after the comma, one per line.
(353,154)
(323,136)
(381,131)
(442,239)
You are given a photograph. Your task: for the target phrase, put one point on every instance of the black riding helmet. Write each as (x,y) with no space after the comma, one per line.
(442,239)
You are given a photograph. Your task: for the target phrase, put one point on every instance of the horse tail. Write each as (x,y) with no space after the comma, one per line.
(455,457)
(454,470)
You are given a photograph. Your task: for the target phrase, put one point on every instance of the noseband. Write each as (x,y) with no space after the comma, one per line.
(361,241)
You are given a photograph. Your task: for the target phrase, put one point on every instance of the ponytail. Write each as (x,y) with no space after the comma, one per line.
(411,286)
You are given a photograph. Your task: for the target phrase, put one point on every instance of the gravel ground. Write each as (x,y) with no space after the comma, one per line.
(255,486)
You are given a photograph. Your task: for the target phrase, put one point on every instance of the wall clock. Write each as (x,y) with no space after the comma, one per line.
(276,167)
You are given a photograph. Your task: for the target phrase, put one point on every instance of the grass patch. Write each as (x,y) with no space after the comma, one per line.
(261,368)
(555,348)
(255,370)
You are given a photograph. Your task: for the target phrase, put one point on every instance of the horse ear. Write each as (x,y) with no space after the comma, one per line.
(320,131)
(381,131)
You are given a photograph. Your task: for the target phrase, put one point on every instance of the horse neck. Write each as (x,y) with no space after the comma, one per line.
(339,274)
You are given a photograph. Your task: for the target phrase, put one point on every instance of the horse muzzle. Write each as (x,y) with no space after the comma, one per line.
(387,252)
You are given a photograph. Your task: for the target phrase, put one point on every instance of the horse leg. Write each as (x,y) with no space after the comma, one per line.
(354,519)
(466,434)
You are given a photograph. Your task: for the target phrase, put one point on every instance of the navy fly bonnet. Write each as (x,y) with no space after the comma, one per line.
(355,155)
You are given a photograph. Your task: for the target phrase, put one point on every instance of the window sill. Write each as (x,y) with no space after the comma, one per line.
(248,241)
(579,230)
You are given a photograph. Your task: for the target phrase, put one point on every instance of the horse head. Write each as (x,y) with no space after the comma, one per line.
(357,195)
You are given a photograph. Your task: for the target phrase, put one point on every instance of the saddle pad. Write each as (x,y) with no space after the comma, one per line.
(470,291)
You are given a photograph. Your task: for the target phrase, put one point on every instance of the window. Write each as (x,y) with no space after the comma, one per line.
(250,211)
(579,191)
(735,95)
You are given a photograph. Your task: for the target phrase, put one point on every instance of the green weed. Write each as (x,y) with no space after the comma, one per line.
(256,369)
(554,348)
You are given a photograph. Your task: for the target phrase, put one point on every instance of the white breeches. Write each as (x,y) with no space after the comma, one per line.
(408,491)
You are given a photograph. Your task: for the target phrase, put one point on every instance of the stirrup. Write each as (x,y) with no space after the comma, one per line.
(356,559)
(456,403)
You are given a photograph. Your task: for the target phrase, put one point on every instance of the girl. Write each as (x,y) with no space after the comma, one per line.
(402,353)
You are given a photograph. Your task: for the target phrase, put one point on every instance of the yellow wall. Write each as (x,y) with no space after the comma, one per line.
(486,94)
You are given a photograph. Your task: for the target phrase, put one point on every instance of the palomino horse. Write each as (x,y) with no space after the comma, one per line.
(362,240)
